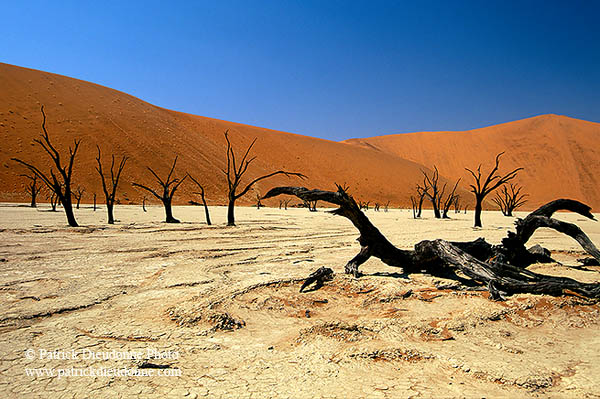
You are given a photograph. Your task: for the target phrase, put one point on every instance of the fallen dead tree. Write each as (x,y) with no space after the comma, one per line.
(501,268)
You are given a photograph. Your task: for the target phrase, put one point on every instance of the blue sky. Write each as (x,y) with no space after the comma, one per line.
(330,69)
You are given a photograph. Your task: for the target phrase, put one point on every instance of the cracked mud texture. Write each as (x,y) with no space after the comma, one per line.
(227,301)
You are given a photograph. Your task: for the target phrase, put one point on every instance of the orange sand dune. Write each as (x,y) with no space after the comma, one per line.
(152,136)
(561,155)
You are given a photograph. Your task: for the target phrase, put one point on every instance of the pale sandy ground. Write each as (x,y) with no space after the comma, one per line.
(143,284)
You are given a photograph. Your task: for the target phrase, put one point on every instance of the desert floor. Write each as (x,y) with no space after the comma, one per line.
(222,306)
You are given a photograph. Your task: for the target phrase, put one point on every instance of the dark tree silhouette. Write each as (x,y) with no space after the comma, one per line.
(387,205)
(94,202)
(482,188)
(78,193)
(115,175)
(235,172)
(258,203)
(413,203)
(456,204)
(510,199)
(450,199)
(32,188)
(311,205)
(144,204)
(431,190)
(169,186)
(53,200)
(61,184)
(500,268)
(284,203)
(203,199)
(417,204)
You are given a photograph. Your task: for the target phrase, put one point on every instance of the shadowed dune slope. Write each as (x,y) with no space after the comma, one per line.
(152,136)
(561,155)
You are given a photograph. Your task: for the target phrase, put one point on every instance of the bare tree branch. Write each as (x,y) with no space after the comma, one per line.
(61,187)
(234,174)
(167,191)
(491,183)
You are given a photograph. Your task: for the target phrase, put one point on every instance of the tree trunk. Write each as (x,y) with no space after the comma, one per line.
(230,212)
(169,211)
(33,198)
(94,202)
(109,207)
(436,210)
(206,211)
(68,207)
(477,212)
(420,206)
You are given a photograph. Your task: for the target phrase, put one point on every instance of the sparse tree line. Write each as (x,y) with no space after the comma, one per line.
(58,182)
(508,200)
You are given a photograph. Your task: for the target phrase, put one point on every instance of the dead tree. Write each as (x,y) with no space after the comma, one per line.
(78,193)
(310,205)
(376,207)
(450,199)
(115,175)
(431,190)
(60,184)
(203,200)
(169,186)
(500,268)
(235,172)
(94,202)
(387,205)
(284,203)
(144,204)
(364,205)
(510,199)
(482,188)
(413,203)
(417,204)
(32,188)
(258,203)
(457,204)
(53,198)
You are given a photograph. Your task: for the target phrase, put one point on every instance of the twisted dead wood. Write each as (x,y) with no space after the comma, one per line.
(500,268)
